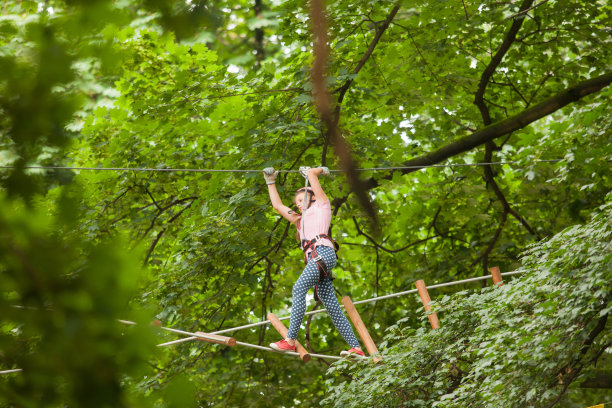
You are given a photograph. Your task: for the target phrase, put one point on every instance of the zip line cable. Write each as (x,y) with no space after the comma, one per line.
(173,170)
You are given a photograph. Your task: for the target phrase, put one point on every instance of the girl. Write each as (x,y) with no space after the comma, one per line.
(312,226)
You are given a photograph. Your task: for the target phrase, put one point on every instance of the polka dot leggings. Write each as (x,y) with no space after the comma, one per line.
(325,289)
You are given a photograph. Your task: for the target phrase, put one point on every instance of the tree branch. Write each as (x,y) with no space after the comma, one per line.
(598,379)
(418,51)
(526,11)
(445,235)
(467,17)
(297,159)
(276,247)
(259,36)
(575,368)
(490,178)
(489,248)
(511,124)
(455,121)
(494,63)
(161,232)
(152,199)
(479,101)
(163,209)
(297,117)
(114,201)
(379,32)
(323,102)
(500,128)
(516,90)
(391,251)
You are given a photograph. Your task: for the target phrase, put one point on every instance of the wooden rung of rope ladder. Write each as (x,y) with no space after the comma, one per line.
(433,317)
(360,327)
(282,330)
(215,338)
(496,275)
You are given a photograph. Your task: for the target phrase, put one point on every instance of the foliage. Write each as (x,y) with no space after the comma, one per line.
(61,292)
(225,85)
(59,322)
(519,345)
(45,63)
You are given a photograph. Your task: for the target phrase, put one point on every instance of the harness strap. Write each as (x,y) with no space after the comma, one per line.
(307,245)
(323,272)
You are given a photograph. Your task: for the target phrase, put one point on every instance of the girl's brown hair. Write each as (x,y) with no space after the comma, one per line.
(310,201)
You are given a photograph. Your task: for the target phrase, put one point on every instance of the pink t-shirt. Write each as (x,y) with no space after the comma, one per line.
(316,220)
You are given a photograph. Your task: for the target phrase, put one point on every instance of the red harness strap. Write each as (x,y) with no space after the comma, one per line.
(306,245)
(324,271)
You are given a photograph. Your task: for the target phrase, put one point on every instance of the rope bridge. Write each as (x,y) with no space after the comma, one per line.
(214,337)
(217,338)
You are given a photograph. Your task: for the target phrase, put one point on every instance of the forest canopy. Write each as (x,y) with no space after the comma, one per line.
(466,135)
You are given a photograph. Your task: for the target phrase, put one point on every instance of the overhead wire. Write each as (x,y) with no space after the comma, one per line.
(193,170)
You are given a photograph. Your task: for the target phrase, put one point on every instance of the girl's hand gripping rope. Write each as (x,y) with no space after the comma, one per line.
(304,171)
(320,170)
(270,175)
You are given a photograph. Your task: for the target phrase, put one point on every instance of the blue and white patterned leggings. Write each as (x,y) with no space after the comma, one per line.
(325,289)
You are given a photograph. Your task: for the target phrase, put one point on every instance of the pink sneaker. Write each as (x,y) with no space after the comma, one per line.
(282,346)
(353,353)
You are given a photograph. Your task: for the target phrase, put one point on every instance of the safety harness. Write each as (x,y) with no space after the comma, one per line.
(324,271)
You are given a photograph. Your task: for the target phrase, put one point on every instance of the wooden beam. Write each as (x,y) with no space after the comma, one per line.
(433,318)
(360,326)
(215,338)
(282,330)
(496,274)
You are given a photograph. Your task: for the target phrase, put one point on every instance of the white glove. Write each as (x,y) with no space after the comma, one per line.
(324,171)
(270,175)
(304,171)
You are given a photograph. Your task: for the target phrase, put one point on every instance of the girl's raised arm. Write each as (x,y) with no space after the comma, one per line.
(290,215)
(313,178)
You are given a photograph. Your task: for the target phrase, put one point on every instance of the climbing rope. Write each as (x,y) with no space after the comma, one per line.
(194,336)
(259,170)
(287,352)
(16,370)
